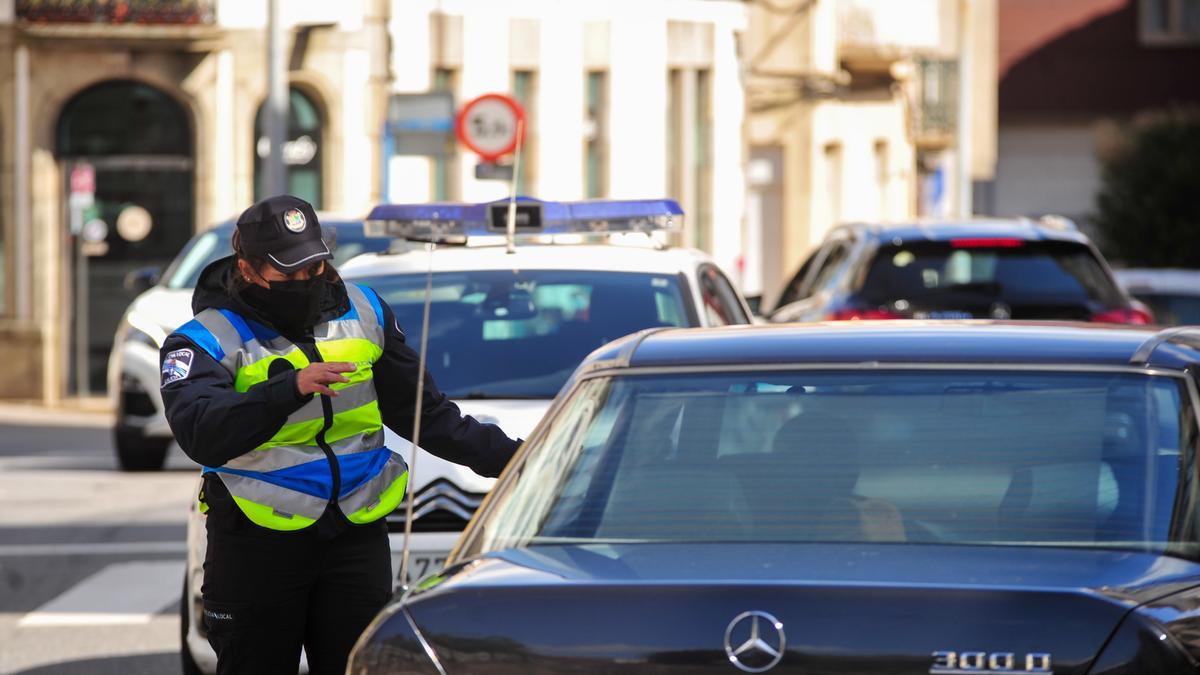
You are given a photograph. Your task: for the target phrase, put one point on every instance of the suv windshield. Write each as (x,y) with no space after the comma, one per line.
(210,246)
(1014,271)
(1027,458)
(520,334)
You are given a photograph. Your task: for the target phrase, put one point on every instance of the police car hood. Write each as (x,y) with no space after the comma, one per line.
(215,290)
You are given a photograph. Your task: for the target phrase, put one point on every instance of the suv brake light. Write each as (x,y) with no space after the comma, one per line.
(861,315)
(988,242)
(1129,315)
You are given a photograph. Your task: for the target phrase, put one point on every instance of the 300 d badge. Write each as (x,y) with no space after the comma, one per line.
(982,663)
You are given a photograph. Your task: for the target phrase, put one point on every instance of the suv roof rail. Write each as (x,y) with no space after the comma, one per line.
(1142,356)
(1057,222)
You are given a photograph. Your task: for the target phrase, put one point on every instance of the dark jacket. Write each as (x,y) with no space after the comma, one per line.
(213,423)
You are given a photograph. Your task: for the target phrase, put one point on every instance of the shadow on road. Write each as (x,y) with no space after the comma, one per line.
(113,665)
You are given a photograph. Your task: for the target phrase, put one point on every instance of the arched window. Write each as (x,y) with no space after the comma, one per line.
(123,117)
(138,143)
(301,150)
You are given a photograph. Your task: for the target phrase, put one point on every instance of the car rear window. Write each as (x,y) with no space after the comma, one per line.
(1173,309)
(1013,270)
(1025,458)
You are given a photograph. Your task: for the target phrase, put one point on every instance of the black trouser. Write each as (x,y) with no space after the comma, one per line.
(267,593)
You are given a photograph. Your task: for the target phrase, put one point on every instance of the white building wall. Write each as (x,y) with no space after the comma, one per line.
(412,70)
(638,103)
(358,171)
(560,106)
(486,69)
(728,156)
(856,127)
(346,15)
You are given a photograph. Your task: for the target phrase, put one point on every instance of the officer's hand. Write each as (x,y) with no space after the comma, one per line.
(316,377)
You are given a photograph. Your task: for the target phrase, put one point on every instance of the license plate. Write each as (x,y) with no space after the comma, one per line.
(422,564)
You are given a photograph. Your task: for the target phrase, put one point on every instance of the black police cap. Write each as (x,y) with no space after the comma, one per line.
(285,231)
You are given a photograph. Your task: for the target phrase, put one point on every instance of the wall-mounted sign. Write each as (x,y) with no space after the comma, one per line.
(296,152)
(134,223)
(421,124)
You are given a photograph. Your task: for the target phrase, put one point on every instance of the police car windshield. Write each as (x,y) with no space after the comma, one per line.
(213,245)
(520,334)
(955,457)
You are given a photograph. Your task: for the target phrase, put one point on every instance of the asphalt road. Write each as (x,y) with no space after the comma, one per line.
(91,558)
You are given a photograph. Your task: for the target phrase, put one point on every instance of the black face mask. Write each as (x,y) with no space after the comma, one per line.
(291,306)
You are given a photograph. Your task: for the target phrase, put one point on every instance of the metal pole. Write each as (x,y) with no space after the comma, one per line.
(512,192)
(963,140)
(81,304)
(416,434)
(22,252)
(274,175)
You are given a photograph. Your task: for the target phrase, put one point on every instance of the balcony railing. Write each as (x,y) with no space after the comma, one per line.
(146,12)
(936,110)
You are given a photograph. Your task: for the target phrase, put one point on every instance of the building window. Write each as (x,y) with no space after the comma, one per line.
(444,167)
(702,170)
(525,91)
(938,97)
(882,178)
(674,134)
(301,151)
(833,182)
(1170,21)
(595,134)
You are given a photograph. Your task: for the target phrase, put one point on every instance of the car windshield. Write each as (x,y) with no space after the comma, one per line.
(520,334)
(1023,458)
(1011,270)
(213,245)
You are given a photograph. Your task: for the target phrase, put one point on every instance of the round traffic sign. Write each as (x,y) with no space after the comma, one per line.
(488,125)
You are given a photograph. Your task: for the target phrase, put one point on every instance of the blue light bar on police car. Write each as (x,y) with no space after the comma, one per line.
(456,222)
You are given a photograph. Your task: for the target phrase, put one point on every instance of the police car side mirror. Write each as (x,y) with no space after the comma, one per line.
(142,279)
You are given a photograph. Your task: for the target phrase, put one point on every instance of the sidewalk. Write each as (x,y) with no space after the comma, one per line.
(72,412)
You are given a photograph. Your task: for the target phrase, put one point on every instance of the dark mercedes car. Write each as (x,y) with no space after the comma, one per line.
(877,497)
(985,269)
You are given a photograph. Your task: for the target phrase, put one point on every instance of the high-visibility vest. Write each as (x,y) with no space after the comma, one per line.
(287,482)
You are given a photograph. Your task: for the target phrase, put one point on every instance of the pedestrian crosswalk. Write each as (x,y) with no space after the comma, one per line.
(125,593)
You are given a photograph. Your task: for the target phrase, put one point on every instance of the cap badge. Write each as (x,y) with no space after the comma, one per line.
(294,220)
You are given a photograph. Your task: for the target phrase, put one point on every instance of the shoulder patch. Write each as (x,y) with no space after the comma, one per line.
(177,365)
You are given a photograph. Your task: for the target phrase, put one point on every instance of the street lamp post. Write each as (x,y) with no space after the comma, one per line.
(274,176)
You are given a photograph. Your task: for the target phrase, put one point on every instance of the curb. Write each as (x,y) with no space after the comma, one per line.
(27,414)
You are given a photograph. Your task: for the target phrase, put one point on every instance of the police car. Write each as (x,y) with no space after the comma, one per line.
(510,318)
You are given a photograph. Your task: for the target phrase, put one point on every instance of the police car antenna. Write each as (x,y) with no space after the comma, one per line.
(416,434)
(512,191)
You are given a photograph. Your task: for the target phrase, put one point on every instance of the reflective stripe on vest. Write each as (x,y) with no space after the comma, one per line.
(286,483)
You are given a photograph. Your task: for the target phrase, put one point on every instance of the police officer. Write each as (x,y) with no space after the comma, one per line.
(280,387)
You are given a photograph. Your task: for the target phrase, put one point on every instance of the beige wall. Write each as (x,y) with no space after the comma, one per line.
(218,77)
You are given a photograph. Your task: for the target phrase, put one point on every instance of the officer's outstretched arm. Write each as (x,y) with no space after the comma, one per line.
(445,431)
(212,422)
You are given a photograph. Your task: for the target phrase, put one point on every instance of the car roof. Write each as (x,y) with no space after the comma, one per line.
(591,257)
(905,342)
(945,230)
(334,219)
(1140,280)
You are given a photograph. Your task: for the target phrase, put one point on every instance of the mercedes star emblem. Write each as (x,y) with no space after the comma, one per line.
(754,641)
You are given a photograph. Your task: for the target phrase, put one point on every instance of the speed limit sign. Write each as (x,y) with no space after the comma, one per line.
(488,125)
